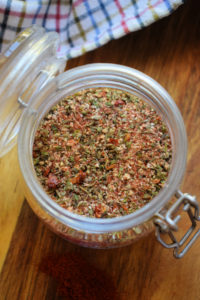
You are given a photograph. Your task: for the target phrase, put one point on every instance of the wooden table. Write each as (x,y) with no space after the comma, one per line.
(169,51)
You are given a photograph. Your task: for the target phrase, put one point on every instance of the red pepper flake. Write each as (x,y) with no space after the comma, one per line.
(124,207)
(119,102)
(52,181)
(110,167)
(115,206)
(114,141)
(99,210)
(46,171)
(103,94)
(156,181)
(109,179)
(71,142)
(35,154)
(79,178)
(127,137)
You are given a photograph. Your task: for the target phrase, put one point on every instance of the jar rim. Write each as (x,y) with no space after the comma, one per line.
(125,76)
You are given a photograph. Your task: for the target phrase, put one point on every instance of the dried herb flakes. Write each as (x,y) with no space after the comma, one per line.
(102,153)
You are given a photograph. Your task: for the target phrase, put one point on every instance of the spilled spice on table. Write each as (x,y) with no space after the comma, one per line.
(77,279)
(102,153)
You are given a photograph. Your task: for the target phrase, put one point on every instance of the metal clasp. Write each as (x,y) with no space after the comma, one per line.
(167,223)
(36,85)
(21,102)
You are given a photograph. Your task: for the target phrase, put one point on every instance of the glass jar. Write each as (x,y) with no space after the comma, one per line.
(44,92)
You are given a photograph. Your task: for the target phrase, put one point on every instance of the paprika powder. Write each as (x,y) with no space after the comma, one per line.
(77,279)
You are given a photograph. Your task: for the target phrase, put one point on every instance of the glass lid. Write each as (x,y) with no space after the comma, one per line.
(26,66)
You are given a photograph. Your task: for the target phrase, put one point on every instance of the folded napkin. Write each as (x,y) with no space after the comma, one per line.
(83,25)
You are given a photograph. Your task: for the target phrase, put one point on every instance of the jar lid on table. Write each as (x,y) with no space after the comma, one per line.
(26,66)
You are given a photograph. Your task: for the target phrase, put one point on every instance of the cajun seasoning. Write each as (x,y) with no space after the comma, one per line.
(102,153)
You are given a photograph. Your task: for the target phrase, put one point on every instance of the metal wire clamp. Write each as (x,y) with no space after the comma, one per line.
(168,224)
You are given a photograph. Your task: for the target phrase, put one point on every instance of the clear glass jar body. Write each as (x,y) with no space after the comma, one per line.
(91,232)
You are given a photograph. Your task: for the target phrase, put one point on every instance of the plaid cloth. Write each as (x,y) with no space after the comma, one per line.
(83,25)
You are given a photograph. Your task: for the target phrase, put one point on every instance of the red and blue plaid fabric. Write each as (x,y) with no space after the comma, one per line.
(83,25)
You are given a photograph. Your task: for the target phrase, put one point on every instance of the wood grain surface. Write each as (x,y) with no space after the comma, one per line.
(169,51)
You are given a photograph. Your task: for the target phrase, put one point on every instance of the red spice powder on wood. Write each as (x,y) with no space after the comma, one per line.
(77,279)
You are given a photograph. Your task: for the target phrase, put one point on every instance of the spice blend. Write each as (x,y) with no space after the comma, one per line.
(102,153)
